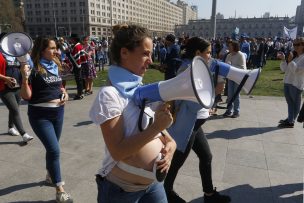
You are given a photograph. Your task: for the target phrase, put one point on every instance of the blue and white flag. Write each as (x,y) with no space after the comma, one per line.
(290,33)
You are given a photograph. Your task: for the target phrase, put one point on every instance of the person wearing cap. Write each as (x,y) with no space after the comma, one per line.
(172,60)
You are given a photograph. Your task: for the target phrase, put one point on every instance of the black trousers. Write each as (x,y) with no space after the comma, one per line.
(78,79)
(11,99)
(199,144)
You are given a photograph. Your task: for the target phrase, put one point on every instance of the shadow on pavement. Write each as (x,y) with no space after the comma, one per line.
(15,188)
(240,132)
(83,123)
(20,143)
(247,193)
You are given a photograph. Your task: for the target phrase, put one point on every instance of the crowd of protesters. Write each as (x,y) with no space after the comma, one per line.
(80,58)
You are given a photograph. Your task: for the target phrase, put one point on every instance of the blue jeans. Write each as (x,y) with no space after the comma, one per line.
(232,87)
(108,192)
(47,125)
(293,99)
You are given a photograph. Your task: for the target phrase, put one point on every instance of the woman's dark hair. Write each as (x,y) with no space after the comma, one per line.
(193,45)
(127,36)
(40,44)
(235,45)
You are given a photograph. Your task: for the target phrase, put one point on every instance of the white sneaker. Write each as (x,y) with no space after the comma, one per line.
(63,197)
(26,137)
(13,132)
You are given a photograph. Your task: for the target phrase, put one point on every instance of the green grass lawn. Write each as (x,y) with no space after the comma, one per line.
(270,82)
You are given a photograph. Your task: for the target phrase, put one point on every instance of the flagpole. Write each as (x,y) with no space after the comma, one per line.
(213,18)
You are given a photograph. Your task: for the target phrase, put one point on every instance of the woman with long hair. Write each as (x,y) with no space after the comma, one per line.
(42,87)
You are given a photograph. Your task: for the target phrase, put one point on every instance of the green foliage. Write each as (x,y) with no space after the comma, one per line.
(10,17)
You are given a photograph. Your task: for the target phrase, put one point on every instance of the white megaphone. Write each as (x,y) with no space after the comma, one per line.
(17,44)
(194,84)
(236,74)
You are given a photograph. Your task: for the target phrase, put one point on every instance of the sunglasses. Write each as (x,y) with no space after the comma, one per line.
(297,44)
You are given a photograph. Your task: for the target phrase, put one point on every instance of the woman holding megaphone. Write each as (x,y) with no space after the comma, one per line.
(188,134)
(132,157)
(42,87)
(10,80)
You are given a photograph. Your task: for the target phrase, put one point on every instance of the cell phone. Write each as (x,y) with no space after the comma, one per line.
(62,96)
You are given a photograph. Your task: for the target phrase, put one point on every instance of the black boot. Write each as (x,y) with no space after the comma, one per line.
(216,198)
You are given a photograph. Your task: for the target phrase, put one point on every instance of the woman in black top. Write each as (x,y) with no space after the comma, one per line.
(42,87)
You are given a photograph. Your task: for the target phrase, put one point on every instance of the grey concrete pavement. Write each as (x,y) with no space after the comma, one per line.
(253,160)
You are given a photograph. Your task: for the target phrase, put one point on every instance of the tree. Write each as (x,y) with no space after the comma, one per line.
(10,19)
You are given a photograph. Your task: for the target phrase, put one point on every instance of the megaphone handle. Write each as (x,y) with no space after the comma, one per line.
(141,114)
(238,90)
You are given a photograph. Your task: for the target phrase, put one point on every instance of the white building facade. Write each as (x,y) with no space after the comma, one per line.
(253,27)
(95,17)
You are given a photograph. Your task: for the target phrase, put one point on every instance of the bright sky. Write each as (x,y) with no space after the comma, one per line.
(246,8)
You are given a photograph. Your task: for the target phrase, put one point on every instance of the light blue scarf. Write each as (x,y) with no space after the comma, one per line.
(123,80)
(50,66)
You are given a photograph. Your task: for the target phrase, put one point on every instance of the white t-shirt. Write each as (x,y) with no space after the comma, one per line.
(294,72)
(108,104)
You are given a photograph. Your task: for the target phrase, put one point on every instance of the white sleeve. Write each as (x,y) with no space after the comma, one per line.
(108,104)
(297,66)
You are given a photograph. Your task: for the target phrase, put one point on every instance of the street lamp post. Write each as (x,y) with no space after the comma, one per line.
(83,17)
(213,18)
(111,14)
(55,20)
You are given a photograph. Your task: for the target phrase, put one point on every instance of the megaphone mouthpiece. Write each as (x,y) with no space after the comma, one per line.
(237,74)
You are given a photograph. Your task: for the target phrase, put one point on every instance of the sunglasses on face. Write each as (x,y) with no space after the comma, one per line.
(296,44)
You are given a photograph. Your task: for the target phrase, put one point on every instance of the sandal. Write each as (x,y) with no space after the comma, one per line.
(88,92)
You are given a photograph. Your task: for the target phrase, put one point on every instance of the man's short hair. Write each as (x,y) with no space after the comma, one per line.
(170,38)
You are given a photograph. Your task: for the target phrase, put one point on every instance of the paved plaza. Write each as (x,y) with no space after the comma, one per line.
(253,160)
